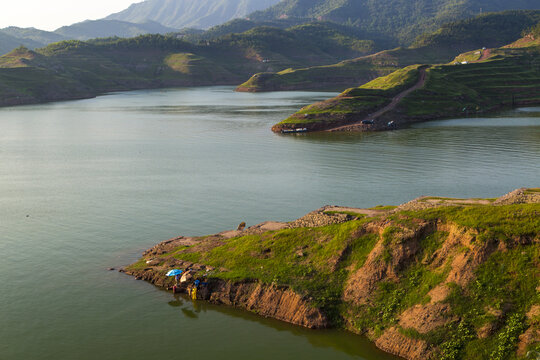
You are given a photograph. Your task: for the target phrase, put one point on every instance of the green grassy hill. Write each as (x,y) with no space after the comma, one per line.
(476,82)
(488,30)
(433,279)
(151,61)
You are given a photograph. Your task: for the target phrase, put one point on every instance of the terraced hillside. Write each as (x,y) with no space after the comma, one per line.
(441,46)
(434,278)
(476,82)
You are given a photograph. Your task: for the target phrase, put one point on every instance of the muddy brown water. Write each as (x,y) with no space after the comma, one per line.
(87,185)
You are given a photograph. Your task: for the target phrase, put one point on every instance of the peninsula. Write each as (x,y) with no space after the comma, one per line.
(475,82)
(435,278)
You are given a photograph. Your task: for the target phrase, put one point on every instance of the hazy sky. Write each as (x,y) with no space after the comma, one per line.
(52,14)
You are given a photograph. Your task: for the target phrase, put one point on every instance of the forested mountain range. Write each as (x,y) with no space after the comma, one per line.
(404,19)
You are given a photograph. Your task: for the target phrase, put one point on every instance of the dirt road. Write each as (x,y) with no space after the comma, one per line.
(485,55)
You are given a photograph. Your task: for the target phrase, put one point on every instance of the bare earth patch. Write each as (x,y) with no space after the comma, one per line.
(425,318)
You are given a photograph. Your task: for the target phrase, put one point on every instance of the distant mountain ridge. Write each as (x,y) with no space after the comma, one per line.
(12,37)
(91,29)
(147,17)
(9,42)
(200,14)
(39,36)
(404,19)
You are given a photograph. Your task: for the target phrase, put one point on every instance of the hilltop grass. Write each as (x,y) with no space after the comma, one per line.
(499,222)
(291,257)
(394,83)
(360,101)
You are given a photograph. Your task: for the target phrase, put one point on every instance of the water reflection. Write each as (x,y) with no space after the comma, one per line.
(189,313)
(355,346)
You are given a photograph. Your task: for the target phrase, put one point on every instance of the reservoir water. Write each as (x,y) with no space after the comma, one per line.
(87,185)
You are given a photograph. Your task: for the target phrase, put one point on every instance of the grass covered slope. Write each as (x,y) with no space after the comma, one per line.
(435,278)
(488,30)
(509,77)
(488,80)
(353,104)
(93,67)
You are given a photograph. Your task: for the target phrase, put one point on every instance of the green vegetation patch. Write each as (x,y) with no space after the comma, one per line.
(358,102)
(395,82)
(393,297)
(312,261)
(497,222)
(459,90)
(505,284)
(350,213)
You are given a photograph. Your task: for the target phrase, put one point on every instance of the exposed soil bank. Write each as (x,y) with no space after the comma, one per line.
(429,279)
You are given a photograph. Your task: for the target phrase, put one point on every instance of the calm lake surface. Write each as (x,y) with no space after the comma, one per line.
(87,185)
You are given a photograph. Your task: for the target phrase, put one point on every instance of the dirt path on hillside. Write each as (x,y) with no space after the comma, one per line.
(395,101)
(485,55)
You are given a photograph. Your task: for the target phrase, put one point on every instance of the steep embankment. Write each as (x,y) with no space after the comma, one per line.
(435,278)
(476,82)
(488,30)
